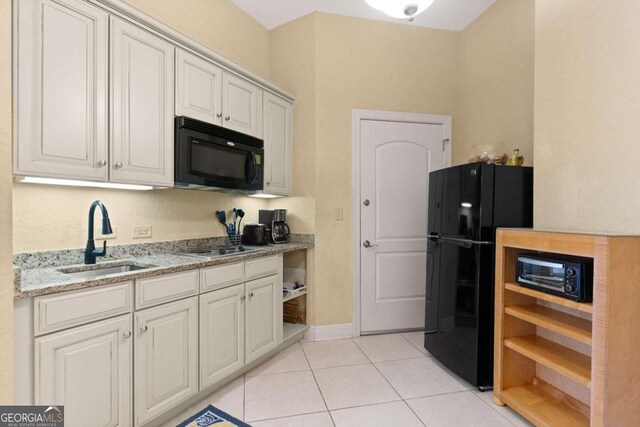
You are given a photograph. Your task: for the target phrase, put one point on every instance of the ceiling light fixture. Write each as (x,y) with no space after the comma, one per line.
(409,9)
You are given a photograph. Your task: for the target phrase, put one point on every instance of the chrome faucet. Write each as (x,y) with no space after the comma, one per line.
(90,253)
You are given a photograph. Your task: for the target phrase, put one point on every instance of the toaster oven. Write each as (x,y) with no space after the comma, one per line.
(566,276)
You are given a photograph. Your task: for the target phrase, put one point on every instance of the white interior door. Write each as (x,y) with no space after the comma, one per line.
(395,162)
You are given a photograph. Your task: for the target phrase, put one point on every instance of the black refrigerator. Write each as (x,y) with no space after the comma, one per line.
(466,205)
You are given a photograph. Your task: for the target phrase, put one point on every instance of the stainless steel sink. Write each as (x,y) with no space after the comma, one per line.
(103,271)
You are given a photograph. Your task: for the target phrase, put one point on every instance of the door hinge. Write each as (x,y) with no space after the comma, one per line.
(444,144)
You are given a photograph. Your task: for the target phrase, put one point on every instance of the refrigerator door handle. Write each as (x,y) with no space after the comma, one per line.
(464,242)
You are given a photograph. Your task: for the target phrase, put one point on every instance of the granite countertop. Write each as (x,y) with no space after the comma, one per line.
(32,282)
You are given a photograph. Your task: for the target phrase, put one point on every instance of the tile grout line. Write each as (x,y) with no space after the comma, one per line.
(390,385)
(399,395)
(495,409)
(317,385)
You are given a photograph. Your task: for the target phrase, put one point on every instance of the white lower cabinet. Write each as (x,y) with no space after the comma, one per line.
(166,357)
(263,330)
(221,334)
(88,370)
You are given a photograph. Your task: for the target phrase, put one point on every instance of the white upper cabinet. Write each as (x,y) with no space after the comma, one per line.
(241,105)
(198,88)
(88,370)
(142,80)
(278,116)
(62,90)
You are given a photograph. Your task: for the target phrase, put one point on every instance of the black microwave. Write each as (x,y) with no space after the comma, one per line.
(566,276)
(210,156)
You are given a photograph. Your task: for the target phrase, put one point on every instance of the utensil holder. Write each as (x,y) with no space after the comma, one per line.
(235,239)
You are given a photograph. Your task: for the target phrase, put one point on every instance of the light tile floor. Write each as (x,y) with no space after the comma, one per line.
(382,380)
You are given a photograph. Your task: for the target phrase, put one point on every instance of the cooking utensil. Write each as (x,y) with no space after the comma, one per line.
(222,218)
(235,218)
(239,213)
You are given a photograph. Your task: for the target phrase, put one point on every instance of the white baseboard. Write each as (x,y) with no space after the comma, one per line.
(329,332)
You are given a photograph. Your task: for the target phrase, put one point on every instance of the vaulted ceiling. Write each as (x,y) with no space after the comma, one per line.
(452,15)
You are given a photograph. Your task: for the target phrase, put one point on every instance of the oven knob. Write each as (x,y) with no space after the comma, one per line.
(569,287)
(571,272)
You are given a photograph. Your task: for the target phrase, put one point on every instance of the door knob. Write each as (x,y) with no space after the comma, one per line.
(367,244)
(242,298)
(118,165)
(227,118)
(102,163)
(126,334)
(366,202)
(143,329)
(251,295)
(219,115)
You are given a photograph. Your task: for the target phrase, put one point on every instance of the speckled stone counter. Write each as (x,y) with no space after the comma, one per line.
(47,279)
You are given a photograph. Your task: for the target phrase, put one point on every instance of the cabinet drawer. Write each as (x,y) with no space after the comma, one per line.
(68,309)
(169,287)
(263,267)
(221,276)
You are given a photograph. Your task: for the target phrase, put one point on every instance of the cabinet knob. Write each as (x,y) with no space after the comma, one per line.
(227,118)
(219,115)
(251,295)
(126,334)
(143,328)
(268,182)
(242,298)
(118,165)
(102,163)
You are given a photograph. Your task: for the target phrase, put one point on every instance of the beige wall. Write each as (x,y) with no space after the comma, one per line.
(293,66)
(51,218)
(219,24)
(48,218)
(6,272)
(587,109)
(335,64)
(496,80)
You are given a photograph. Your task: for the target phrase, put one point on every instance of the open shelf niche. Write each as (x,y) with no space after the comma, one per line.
(563,363)
(294,310)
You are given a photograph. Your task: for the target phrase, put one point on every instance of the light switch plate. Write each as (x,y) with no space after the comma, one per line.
(99,236)
(141,231)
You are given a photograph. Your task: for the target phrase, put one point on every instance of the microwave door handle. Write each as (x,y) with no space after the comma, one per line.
(253,168)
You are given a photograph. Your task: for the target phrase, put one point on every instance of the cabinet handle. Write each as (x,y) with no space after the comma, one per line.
(126,334)
(143,328)
(242,298)
(251,295)
(102,163)
(227,118)
(219,115)
(118,165)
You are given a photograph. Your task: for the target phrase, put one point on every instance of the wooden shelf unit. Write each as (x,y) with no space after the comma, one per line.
(588,354)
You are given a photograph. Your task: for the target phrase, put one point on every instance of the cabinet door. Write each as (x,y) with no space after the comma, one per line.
(277,144)
(141,106)
(62,90)
(263,330)
(198,88)
(166,357)
(221,334)
(88,370)
(241,105)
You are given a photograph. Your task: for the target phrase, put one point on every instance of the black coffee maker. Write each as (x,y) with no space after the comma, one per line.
(276,220)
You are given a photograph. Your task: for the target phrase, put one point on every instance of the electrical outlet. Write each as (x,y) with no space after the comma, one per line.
(338,214)
(97,233)
(141,231)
